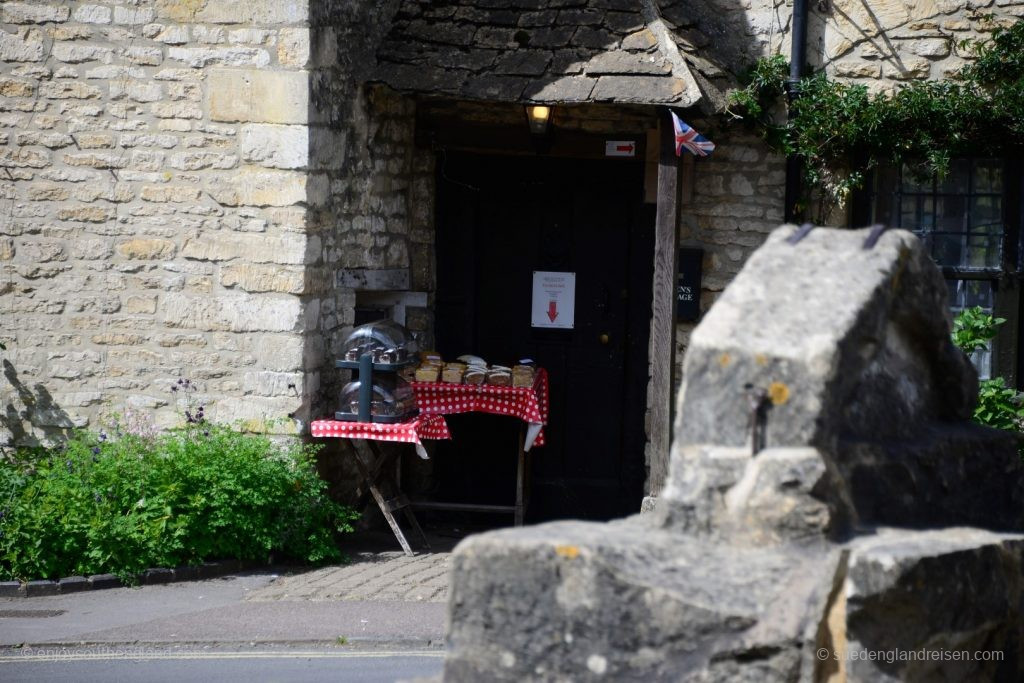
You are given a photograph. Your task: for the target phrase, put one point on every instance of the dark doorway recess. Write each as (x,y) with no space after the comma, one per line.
(499,219)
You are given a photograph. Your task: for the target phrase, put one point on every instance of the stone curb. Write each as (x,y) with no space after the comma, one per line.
(150,577)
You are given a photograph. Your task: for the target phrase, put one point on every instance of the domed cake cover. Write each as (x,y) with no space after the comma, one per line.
(385,341)
(392,397)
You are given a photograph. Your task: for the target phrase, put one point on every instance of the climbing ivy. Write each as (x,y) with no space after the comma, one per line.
(841,131)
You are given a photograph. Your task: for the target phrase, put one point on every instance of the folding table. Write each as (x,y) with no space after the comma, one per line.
(372,462)
(529,404)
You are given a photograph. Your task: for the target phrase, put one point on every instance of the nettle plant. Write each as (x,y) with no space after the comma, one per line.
(841,131)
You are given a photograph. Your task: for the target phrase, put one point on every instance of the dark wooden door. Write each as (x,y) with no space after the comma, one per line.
(500,219)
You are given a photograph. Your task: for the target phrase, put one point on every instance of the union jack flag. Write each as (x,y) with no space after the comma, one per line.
(688,138)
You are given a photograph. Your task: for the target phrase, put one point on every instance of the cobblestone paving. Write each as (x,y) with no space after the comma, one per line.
(370,576)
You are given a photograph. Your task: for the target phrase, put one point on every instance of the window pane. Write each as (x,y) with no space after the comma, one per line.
(912,183)
(948,249)
(917,212)
(988,176)
(969,293)
(986,214)
(957,181)
(984,251)
(966,294)
(887,184)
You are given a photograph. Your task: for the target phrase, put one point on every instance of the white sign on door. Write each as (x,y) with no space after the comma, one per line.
(554,299)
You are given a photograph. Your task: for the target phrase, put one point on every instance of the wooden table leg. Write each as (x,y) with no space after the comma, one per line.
(408,508)
(520,476)
(362,447)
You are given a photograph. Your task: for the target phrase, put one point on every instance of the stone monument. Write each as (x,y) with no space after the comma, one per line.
(831,513)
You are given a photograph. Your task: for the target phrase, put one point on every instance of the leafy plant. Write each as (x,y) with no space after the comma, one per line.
(974,328)
(841,131)
(121,505)
(998,406)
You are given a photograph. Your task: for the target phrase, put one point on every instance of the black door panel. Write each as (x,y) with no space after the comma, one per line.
(534,213)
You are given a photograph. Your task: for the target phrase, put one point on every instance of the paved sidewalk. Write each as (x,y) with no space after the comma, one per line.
(370,576)
(380,598)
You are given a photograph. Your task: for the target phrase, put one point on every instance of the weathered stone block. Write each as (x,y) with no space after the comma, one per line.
(264,278)
(645,89)
(254,187)
(169,193)
(259,12)
(168,34)
(374,279)
(12,87)
(626,63)
(93,14)
(199,57)
(20,47)
(259,96)
(73,584)
(96,160)
(75,53)
(32,13)
(42,251)
(233,312)
(133,16)
(947,593)
(86,214)
(147,249)
(293,47)
(40,588)
(147,56)
(140,304)
(290,248)
(275,146)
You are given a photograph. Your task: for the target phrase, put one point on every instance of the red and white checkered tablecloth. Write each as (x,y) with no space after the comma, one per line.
(528,404)
(421,427)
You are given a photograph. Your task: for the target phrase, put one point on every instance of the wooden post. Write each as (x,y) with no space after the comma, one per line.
(663,325)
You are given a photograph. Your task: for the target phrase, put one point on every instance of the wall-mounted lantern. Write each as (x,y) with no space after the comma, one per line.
(538,116)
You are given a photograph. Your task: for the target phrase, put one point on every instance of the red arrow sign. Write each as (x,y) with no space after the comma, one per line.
(552,310)
(624,148)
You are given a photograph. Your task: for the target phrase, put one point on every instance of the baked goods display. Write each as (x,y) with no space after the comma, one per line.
(522,375)
(453,373)
(474,370)
(390,398)
(383,355)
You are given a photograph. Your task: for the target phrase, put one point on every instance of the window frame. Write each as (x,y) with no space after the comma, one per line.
(1007,356)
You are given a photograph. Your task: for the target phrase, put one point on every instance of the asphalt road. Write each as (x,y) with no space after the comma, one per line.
(117,664)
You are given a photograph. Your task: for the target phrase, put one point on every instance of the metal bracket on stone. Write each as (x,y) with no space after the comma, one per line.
(759,404)
(801,233)
(876,232)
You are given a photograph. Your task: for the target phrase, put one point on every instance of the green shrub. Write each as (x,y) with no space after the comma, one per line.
(999,406)
(102,505)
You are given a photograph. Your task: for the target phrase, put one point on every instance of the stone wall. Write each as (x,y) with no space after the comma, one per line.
(887,42)
(735,200)
(168,178)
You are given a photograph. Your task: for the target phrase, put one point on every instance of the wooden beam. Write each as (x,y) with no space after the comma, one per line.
(516,140)
(663,323)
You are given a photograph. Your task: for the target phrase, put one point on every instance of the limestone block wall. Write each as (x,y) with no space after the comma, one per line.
(155,185)
(886,42)
(735,200)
